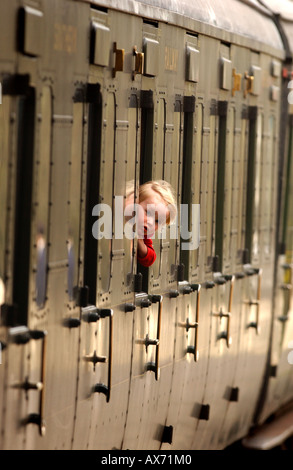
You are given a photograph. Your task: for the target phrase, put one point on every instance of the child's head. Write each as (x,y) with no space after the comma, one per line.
(165,191)
(156,206)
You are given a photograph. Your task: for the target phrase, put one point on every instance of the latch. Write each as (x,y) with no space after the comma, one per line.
(249,271)
(146,302)
(119,59)
(92,314)
(138,62)
(187,325)
(236,81)
(220,280)
(249,84)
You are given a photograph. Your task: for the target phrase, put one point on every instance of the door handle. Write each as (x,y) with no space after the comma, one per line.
(154,366)
(188,289)
(226,334)
(194,349)
(286,287)
(256,301)
(146,303)
(22,335)
(100,387)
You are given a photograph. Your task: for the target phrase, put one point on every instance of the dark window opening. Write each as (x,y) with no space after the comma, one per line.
(251,174)
(220,194)
(92,189)
(187,172)
(287,228)
(24,183)
(146,156)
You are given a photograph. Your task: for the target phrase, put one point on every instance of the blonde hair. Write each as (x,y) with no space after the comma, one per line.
(165,190)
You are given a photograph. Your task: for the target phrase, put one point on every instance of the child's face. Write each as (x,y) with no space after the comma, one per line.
(154,214)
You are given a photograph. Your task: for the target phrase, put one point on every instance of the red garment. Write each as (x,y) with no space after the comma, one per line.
(150,257)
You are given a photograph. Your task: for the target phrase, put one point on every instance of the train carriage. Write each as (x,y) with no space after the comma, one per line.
(98,352)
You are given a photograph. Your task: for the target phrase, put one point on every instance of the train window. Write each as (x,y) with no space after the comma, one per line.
(42,187)
(257,189)
(23,207)
(4,168)
(92,193)
(74,198)
(228,181)
(287,228)
(192,58)
(197,173)
(148,129)
(107,189)
(241,178)
(209,209)
(222,209)
(268,187)
(147,133)
(158,169)
(171,173)
(131,176)
(159,140)
(192,148)
(253,183)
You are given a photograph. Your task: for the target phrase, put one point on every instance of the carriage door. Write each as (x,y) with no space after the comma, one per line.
(145,371)
(24,342)
(221,285)
(95,329)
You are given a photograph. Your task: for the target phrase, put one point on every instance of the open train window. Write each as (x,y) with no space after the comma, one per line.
(158,169)
(161,154)
(253,195)
(147,133)
(224,185)
(92,189)
(146,155)
(23,205)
